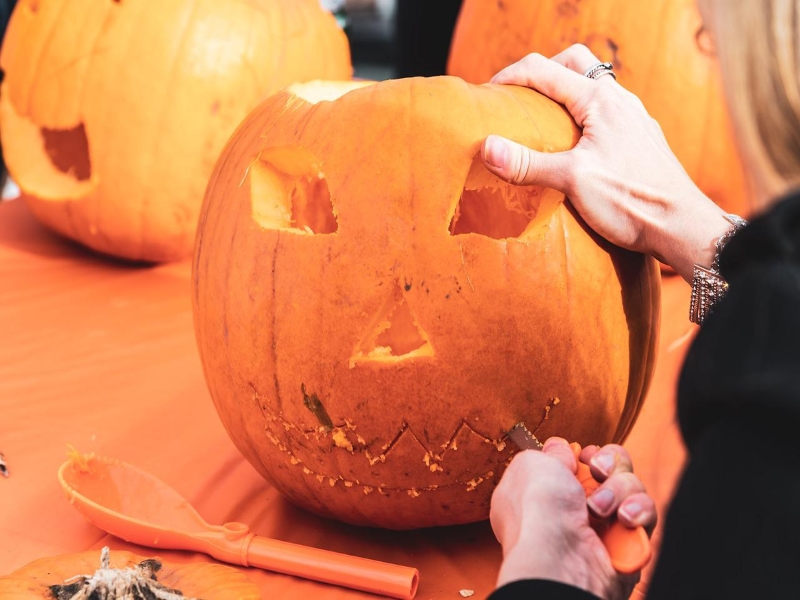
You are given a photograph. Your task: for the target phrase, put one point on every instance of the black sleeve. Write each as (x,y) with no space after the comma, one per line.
(539,589)
(733,529)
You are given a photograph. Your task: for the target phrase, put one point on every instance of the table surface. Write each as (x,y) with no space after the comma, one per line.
(101,355)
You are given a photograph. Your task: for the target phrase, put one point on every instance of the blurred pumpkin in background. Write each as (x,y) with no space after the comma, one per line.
(113,112)
(659,50)
(374,309)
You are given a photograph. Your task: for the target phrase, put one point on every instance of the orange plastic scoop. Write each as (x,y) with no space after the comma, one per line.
(135,506)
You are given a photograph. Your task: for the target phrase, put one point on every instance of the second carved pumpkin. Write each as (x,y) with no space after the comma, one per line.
(113,113)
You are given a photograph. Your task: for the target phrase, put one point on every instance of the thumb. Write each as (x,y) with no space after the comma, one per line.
(560,449)
(520,165)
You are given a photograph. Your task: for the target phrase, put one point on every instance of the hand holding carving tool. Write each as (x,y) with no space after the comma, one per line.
(628,548)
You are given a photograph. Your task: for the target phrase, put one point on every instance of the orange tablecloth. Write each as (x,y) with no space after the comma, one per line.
(102,355)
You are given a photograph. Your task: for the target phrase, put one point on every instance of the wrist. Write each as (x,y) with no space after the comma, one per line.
(533,559)
(535,563)
(690,238)
(708,285)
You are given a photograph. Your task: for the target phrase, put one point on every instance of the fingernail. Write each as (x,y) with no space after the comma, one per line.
(601,501)
(631,511)
(551,443)
(603,463)
(496,152)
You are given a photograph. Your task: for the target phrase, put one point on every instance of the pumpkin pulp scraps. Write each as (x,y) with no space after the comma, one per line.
(137,583)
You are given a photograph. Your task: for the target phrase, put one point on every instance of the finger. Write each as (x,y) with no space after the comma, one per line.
(606,499)
(559,449)
(588,452)
(580,59)
(608,460)
(638,509)
(576,58)
(520,165)
(550,78)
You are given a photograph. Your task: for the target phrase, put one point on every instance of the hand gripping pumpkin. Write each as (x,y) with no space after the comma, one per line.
(660,52)
(374,309)
(113,112)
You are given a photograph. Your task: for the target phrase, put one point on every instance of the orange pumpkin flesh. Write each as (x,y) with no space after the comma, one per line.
(113,113)
(659,50)
(195,580)
(374,309)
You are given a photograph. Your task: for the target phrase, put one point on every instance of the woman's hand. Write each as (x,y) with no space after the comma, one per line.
(621,177)
(540,516)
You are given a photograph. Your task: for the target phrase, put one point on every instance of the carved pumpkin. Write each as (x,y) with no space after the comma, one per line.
(374,309)
(659,50)
(194,580)
(113,112)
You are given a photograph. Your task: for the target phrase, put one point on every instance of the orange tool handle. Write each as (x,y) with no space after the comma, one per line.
(352,572)
(628,548)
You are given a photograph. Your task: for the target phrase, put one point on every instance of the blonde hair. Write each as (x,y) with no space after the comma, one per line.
(758,45)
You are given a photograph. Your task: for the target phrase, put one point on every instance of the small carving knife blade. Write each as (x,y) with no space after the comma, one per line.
(629,549)
(523,438)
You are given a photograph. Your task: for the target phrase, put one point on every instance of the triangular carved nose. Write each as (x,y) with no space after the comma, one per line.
(393,334)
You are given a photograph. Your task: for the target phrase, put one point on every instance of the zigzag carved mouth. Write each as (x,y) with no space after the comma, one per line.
(492,452)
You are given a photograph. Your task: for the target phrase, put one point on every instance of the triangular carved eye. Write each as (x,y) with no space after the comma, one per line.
(289,191)
(490,207)
(393,334)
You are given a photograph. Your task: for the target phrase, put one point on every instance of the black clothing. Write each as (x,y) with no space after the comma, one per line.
(733,528)
(540,589)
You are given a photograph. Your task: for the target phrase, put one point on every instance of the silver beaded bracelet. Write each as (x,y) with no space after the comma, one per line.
(708,286)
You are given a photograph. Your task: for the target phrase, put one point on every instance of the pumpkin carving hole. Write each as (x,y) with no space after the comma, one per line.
(402,336)
(297,201)
(489,207)
(68,151)
(394,334)
(50,164)
(487,212)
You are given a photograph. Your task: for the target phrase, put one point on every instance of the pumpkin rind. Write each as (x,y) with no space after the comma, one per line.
(659,51)
(208,581)
(552,326)
(113,114)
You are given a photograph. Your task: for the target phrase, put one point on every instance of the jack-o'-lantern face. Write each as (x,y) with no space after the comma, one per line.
(113,112)
(374,309)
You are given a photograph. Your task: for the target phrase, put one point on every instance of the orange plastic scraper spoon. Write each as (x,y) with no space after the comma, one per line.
(139,508)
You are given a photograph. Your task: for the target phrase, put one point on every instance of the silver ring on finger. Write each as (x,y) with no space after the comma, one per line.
(600,69)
